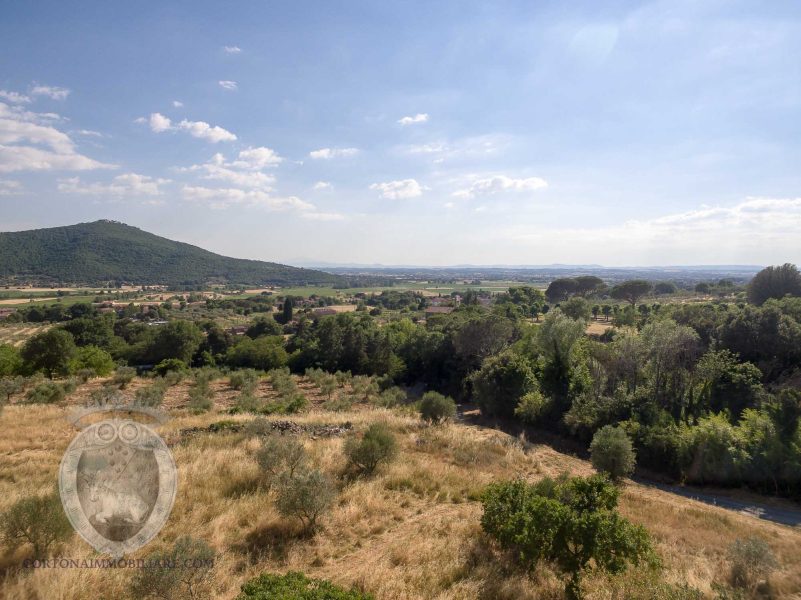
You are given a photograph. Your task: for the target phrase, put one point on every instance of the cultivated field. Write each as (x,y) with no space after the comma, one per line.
(410,531)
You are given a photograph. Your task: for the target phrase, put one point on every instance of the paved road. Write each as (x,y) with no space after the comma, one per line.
(784,516)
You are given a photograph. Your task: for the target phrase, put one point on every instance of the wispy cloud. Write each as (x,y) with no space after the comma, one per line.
(177,104)
(14,97)
(221,198)
(125,185)
(418,118)
(232,49)
(228,85)
(322,185)
(52,92)
(329,153)
(501,183)
(29,142)
(398,190)
(9,187)
(323,216)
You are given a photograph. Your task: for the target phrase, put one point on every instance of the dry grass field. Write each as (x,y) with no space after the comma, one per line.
(18,334)
(410,531)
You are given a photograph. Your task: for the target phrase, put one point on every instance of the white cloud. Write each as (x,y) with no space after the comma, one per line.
(14,97)
(199,129)
(245,172)
(501,183)
(221,198)
(398,190)
(204,131)
(89,133)
(159,123)
(418,118)
(322,185)
(177,104)
(329,153)
(29,143)
(52,92)
(228,85)
(232,49)
(258,158)
(127,184)
(9,187)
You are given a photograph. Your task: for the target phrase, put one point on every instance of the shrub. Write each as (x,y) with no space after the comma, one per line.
(612,452)
(200,397)
(123,376)
(94,358)
(172,378)
(278,456)
(108,394)
(571,522)
(282,381)
(392,397)
(152,395)
(170,365)
(85,375)
(288,405)
(436,408)
(751,560)
(328,384)
(306,496)
(296,586)
(247,402)
(377,446)
(183,571)
(246,380)
(532,407)
(37,520)
(10,386)
(364,387)
(45,393)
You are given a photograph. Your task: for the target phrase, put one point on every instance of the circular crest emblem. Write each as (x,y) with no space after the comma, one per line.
(117,482)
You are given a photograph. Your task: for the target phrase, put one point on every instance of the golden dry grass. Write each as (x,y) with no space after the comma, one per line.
(412,531)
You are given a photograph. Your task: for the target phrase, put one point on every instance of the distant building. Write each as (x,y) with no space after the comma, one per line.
(323,312)
(439,310)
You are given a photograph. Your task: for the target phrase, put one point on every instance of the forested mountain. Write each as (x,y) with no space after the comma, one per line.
(104,251)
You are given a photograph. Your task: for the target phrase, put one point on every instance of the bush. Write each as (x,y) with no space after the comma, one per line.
(85,375)
(45,393)
(751,560)
(247,403)
(306,496)
(108,394)
(183,571)
(392,397)
(436,408)
(282,381)
(532,407)
(288,405)
(172,378)
(152,395)
(170,365)
(92,358)
(612,452)
(123,376)
(38,520)
(201,398)
(377,446)
(10,386)
(296,586)
(280,456)
(570,522)
(246,380)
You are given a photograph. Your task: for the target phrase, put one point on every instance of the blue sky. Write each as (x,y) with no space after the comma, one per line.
(619,133)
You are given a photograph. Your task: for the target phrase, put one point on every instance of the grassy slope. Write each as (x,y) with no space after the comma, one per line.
(90,253)
(411,532)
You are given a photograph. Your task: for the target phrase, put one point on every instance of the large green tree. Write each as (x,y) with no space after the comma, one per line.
(775,282)
(631,291)
(50,351)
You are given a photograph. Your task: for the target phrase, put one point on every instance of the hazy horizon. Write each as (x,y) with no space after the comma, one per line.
(637,133)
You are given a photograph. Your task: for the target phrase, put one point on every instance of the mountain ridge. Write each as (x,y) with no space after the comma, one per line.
(109,251)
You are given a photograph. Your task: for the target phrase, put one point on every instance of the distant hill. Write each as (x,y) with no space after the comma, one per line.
(108,251)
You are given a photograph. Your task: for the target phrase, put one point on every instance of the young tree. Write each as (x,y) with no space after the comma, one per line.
(306,496)
(436,408)
(37,520)
(612,452)
(377,446)
(572,522)
(10,361)
(183,571)
(606,310)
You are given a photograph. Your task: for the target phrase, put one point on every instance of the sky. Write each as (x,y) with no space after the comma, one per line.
(618,133)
